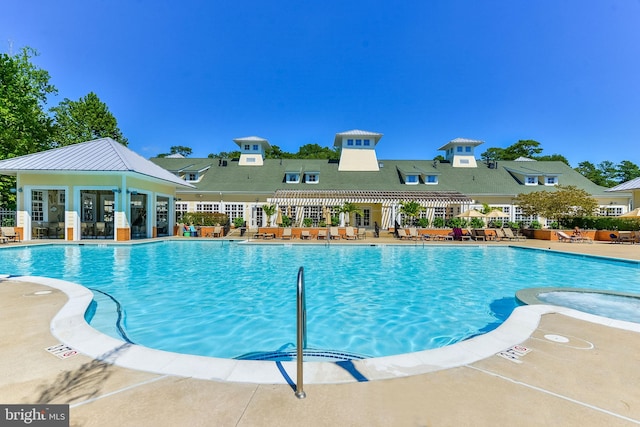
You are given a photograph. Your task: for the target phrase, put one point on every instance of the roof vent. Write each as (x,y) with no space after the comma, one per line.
(380,165)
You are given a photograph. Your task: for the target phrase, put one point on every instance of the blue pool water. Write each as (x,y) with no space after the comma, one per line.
(228,299)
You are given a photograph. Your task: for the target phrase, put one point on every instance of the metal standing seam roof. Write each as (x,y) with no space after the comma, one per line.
(99,155)
(633,184)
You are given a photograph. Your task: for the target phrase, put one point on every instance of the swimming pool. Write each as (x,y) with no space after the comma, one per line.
(233,299)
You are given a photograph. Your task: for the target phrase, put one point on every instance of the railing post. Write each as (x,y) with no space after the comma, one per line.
(301,339)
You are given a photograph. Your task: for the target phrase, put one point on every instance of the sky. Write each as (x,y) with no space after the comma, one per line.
(201,73)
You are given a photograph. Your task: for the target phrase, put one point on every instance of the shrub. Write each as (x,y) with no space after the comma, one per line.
(286,221)
(456,223)
(307,222)
(477,223)
(205,218)
(423,222)
(535,225)
(238,222)
(438,222)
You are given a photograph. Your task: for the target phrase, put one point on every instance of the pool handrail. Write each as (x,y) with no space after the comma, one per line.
(301,338)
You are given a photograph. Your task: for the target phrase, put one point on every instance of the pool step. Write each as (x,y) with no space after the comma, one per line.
(309,355)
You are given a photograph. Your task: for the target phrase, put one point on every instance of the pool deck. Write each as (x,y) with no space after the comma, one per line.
(577,373)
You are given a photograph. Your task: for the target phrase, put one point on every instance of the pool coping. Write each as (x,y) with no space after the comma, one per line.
(71,328)
(529,296)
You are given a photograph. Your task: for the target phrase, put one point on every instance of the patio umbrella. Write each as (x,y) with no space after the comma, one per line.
(279,216)
(327,215)
(631,214)
(471,213)
(496,214)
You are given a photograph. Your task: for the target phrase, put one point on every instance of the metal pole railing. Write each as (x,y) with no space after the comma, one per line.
(301,339)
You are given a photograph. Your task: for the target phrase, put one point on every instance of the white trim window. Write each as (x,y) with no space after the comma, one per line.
(431,179)
(234,210)
(413,179)
(207,207)
(312,177)
(550,180)
(181,209)
(292,178)
(37,205)
(191,176)
(531,180)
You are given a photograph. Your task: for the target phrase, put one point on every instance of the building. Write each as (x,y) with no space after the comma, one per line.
(102,189)
(306,188)
(94,189)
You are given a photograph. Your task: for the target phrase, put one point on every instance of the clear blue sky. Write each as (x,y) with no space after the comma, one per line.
(200,73)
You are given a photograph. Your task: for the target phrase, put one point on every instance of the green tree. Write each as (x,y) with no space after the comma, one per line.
(84,120)
(523,148)
(25,126)
(411,209)
(315,151)
(553,158)
(627,171)
(269,211)
(591,172)
(182,150)
(492,154)
(349,208)
(566,201)
(609,173)
(225,155)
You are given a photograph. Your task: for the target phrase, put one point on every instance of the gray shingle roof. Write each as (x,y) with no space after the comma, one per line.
(99,155)
(478,181)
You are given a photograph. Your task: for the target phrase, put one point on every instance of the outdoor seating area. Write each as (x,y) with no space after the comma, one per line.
(631,237)
(9,234)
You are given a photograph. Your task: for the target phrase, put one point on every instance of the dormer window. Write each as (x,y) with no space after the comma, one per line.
(292,178)
(551,180)
(431,179)
(531,180)
(191,176)
(311,177)
(412,179)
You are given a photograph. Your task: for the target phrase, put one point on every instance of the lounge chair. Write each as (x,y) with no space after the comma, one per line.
(626,236)
(508,233)
(362,233)
(11,234)
(217,231)
(322,234)
(286,234)
(334,233)
(305,235)
(413,233)
(479,234)
(564,237)
(350,234)
(402,234)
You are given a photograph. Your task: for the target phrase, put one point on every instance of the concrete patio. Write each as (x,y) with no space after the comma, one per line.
(589,380)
